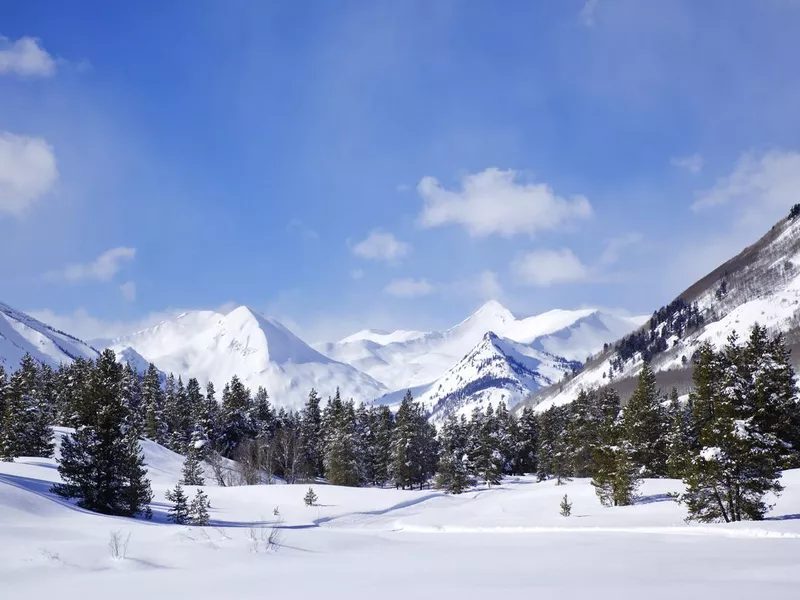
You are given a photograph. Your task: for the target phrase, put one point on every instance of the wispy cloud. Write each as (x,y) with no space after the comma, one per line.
(769,180)
(494,202)
(409,288)
(586,14)
(542,268)
(616,245)
(692,163)
(27,172)
(298,228)
(383,246)
(102,268)
(128,290)
(25,57)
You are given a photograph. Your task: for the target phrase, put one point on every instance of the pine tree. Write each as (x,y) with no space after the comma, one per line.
(485,456)
(311,437)
(583,432)
(566,506)
(179,512)
(454,474)
(382,425)
(133,399)
(155,427)
(615,476)
(198,509)
(192,468)
(413,449)
(206,417)
(310,498)
(342,466)
(644,423)
(526,442)
(7,426)
(262,416)
(739,398)
(678,440)
(236,425)
(101,463)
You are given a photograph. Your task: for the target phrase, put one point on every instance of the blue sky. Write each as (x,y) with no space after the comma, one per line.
(343,165)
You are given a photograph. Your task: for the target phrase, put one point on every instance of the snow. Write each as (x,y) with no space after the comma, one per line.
(259,350)
(508,541)
(402,359)
(21,334)
(496,370)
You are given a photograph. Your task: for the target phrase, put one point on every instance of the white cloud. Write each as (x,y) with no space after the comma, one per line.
(381,246)
(357,274)
(693,163)
(128,290)
(409,288)
(547,267)
(586,14)
(760,182)
(27,171)
(102,268)
(492,201)
(86,327)
(616,245)
(25,57)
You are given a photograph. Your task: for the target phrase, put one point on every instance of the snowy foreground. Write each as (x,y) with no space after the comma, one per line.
(509,541)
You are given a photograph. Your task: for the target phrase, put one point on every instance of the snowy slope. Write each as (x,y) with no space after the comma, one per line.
(759,285)
(214,347)
(413,359)
(497,369)
(508,541)
(21,334)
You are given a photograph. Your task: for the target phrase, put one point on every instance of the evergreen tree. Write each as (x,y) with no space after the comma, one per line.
(311,437)
(679,442)
(133,399)
(485,456)
(206,417)
(155,427)
(342,466)
(526,442)
(236,425)
(454,474)
(644,424)
(615,477)
(101,463)
(583,432)
(382,425)
(198,509)
(739,396)
(179,512)
(310,499)
(566,506)
(413,449)
(262,416)
(8,443)
(192,468)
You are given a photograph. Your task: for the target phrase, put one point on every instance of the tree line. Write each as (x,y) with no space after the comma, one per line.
(728,441)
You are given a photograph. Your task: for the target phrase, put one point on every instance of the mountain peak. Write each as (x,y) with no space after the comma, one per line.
(495,309)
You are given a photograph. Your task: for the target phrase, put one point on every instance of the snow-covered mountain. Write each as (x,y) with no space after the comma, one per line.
(21,334)
(759,285)
(406,359)
(214,347)
(496,369)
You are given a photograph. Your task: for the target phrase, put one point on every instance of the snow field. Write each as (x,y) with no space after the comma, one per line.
(387,543)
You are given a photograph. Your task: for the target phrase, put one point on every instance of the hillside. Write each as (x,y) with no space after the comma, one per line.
(21,334)
(760,285)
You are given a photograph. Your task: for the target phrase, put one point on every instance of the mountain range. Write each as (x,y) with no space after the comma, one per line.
(491,355)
